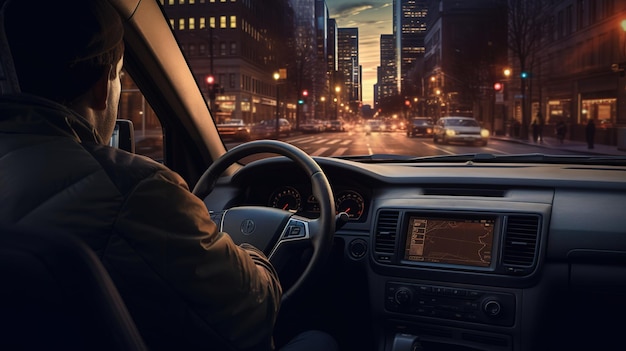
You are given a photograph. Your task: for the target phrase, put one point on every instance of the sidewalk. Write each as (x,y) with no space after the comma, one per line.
(568,145)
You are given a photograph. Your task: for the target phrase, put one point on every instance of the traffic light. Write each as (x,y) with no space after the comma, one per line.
(305,94)
(524,75)
(212,87)
(497,86)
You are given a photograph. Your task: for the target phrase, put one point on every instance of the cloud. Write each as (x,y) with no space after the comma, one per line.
(346,9)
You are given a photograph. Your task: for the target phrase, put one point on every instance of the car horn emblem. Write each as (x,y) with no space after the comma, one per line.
(247,226)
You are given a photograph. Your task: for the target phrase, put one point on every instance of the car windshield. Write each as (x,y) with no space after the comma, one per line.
(461,123)
(346,78)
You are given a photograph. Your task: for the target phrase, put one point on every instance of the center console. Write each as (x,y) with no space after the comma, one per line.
(453,276)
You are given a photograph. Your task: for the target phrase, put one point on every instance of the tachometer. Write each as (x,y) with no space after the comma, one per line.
(351,203)
(286,198)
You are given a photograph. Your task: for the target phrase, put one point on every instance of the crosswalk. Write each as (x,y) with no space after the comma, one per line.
(322,146)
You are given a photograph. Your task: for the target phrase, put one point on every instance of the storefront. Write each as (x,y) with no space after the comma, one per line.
(602,110)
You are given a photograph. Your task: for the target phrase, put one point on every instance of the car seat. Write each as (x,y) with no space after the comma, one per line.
(56,295)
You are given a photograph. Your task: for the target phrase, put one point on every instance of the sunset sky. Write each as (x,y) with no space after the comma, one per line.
(373,18)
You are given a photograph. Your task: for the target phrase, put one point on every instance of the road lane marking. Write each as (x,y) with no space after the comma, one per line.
(319,151)
(438,148)
(346,142)
(340,151)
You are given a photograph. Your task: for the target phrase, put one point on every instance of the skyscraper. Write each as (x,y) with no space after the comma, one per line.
(409,30)
(348,59)
(388,71)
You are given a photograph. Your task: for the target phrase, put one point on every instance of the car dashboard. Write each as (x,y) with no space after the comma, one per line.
(464,256)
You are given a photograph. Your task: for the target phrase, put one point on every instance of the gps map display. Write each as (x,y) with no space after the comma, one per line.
(466,242)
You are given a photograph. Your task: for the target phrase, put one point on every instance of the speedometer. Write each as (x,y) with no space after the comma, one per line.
(286,198)
(351,203)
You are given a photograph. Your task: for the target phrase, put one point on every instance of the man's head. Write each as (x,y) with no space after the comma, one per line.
(70,52)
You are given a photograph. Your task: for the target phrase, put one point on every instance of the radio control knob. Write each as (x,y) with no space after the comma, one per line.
(492,307)
(403,296)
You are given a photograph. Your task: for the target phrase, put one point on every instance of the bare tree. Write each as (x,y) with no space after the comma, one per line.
(527,23)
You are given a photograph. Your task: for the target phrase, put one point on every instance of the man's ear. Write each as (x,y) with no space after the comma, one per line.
(100,90)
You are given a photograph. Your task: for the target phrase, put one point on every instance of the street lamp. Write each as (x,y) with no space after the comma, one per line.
(323,100)
(337,91)
(276,78)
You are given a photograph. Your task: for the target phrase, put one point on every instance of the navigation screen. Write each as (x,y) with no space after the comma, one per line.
(465,242)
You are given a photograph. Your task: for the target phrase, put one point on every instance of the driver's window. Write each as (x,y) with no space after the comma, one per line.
(148,132)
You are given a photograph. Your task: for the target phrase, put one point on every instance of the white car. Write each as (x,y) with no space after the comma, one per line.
(461,130)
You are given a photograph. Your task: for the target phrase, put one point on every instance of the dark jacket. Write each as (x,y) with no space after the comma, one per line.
(186,285)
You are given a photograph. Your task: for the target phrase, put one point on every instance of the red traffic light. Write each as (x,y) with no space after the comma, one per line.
(305,93)
(210,79)
(498,86)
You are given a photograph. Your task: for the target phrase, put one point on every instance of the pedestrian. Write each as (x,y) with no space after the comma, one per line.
(590,133)
(535,129)
(561,130)
(540,124)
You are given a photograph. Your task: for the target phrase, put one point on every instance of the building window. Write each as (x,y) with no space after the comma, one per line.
(181,24)
(232,80)
(233,21)
(192,23)
(202,23)
(192,50)
(222,49)
(233,48)
(212,22)
(222,21)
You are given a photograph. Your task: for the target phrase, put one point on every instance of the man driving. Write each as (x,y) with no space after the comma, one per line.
(186,285)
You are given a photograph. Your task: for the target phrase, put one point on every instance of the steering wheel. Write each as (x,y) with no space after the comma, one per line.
(274,231)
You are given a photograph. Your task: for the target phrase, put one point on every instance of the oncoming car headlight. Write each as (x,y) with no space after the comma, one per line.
(450,132)
(484,133)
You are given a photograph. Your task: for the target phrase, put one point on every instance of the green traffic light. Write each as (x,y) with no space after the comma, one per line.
(524,75)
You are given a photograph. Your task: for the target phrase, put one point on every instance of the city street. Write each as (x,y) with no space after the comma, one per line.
(358,143)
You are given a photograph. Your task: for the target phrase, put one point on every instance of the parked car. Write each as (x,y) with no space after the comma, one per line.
(267,128)
(460,130)
(420,126)
(234,128)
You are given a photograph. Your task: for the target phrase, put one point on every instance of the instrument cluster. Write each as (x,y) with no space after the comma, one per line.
(291,198)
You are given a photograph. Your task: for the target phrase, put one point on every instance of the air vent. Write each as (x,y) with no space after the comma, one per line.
(386,233)
(520,243)
(465,192)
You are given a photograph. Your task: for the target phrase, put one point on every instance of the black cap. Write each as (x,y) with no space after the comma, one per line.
(48,38)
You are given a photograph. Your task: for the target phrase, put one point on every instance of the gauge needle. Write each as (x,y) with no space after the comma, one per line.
(286,206)
(347,210)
